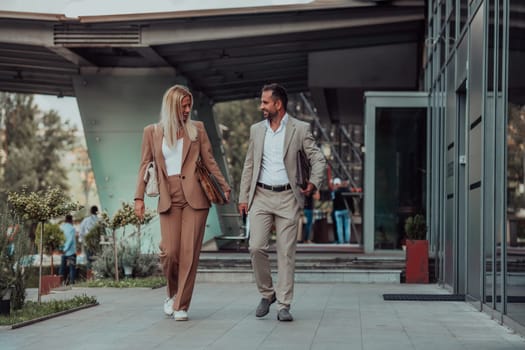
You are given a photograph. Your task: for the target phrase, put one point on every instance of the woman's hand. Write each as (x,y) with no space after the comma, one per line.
(227,195)
(139,208)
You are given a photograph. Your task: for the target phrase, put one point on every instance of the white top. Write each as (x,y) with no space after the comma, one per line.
(173,157)
(273,171)
(86,225)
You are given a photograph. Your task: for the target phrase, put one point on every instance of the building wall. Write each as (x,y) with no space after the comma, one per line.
(478,181)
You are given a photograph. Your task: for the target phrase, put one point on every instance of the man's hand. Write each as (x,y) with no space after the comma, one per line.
(139,208)
(309,189)
(227,195)
(243,208)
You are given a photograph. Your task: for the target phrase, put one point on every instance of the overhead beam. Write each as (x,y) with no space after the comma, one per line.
(244,27)
(357,32)
(70,56)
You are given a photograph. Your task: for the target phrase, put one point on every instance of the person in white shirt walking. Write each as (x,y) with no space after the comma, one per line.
(87,225)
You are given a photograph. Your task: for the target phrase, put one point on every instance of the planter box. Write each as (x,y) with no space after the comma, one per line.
(5,301)
(49,282)
(5,307)
(416,261)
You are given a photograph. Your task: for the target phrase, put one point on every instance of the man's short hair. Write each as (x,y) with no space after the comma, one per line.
(94,210)
(278,93)
(69,218)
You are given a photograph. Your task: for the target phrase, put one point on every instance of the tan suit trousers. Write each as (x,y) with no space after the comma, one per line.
(280,210)
(182,231)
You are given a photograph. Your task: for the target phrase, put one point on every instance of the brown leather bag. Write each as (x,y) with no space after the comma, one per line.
(303,169)
(209,184)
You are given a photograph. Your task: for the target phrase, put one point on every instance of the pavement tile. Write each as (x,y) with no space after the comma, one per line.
(327,316)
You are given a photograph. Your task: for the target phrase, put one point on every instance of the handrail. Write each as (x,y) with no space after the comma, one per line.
(327,139)
(351,142)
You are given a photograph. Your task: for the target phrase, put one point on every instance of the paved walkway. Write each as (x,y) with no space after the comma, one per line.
(327,316)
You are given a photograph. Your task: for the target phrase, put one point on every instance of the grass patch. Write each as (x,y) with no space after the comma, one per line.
(145,282)
(33,310)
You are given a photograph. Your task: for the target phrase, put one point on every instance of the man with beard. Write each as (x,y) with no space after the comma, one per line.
(271,197)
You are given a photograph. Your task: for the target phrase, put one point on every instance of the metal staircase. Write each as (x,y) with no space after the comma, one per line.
(341,146)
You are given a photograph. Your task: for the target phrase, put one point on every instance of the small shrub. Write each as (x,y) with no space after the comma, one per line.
(92,239)
(15,249)
(104,264)
(144,265)
(147,265)
(53,238)
(146,282)
(32,310)
(416,227)
(128,254)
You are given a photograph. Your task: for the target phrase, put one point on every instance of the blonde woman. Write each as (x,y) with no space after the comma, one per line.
(175,144)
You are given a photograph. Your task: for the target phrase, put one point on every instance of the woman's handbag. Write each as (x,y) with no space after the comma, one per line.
(209,184)
(150,175)
(150,178)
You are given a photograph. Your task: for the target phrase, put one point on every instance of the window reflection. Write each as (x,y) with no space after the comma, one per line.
(400,162)
(515,237)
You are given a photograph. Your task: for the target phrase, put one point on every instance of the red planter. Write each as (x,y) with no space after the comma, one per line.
(49,282)
(416,261)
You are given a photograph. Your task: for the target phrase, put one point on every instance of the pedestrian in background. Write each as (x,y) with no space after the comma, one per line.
(309,207)
(86,226)
(343,209)
(69,250)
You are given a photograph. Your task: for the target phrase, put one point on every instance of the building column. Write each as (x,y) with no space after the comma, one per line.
(115,105)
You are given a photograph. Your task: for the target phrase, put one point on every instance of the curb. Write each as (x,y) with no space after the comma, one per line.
(47,317)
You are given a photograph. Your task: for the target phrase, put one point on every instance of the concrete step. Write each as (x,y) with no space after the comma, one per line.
(306,276)
(309,268)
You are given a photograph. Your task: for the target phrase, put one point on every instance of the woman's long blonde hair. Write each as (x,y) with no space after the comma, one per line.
(171,115)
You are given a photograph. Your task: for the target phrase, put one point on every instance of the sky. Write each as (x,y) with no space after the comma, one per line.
(66,107)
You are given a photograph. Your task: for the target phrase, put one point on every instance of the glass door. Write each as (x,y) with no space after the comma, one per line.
(395,165)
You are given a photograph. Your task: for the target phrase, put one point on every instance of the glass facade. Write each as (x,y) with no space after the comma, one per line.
(475,76)
(515,237)
(400,160)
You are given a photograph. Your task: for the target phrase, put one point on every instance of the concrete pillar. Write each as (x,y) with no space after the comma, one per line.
(115,105)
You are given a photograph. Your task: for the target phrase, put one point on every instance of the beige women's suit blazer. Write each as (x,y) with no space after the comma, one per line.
(191,150)
(297,136)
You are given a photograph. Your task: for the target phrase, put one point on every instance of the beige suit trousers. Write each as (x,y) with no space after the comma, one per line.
(280,210)
(182,231)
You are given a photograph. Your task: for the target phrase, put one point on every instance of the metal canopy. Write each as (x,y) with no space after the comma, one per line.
(225,54)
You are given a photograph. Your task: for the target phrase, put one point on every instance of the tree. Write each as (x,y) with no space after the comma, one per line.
(40,207)
(33,143)
(236,117)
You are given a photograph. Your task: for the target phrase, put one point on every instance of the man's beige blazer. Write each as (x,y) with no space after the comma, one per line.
(191,151)
(297,136)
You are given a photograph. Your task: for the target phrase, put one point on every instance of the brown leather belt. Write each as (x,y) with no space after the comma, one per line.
(279,188)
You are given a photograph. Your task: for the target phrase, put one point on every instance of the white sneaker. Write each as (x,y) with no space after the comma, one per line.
(168,306)
(180,315)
